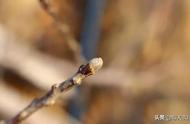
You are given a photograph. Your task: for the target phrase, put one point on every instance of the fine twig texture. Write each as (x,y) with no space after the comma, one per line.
(12,101)
(50,97)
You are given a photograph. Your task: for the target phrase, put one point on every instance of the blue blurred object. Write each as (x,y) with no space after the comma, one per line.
(89,41)
(92,27)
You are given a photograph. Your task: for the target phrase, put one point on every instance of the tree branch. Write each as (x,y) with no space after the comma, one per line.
(50,97)
(12,101)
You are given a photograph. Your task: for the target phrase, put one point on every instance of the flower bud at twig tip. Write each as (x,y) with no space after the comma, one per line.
(96,63)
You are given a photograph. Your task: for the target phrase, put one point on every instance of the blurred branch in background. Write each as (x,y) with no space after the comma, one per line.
(47,5)
(55,70)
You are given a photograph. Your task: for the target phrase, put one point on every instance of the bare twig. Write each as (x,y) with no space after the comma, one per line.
(50,98)
(12,101)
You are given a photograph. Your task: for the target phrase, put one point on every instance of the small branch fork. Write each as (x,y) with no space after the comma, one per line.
(57,89)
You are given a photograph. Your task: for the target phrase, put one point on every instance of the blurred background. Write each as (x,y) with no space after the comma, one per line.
(145,45)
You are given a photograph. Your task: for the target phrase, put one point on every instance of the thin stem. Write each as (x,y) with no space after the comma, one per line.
(50,97)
